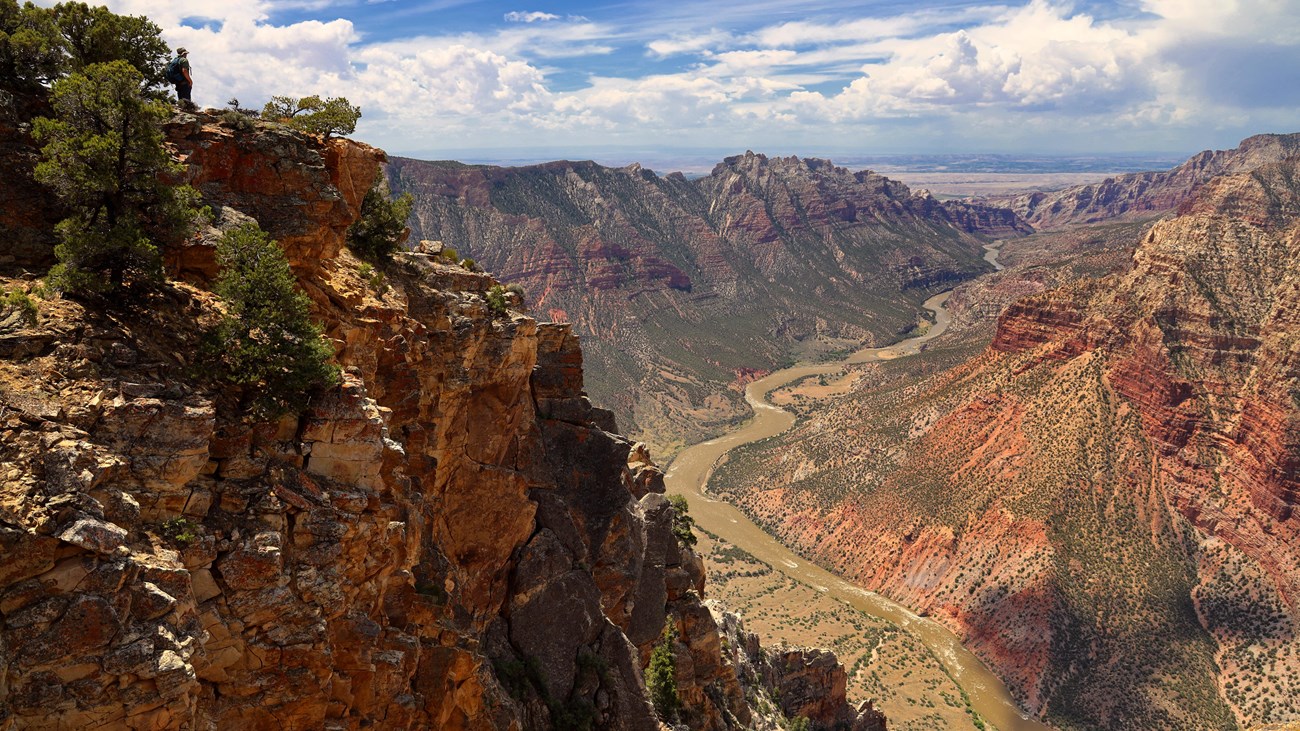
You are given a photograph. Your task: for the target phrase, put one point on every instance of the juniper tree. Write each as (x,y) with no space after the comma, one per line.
(311,114)
(31,47)
(683,523)
(104,159)
(41,45)
(661,675)
(94,34)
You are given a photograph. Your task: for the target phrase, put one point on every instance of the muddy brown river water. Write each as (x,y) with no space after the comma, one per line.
(689,474)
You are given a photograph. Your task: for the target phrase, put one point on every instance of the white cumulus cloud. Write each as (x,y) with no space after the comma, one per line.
(516,16)
(826,71)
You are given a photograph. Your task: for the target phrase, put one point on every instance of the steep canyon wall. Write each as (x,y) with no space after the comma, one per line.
(452,538)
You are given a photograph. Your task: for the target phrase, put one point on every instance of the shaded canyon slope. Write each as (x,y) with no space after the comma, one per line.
(453,538)
(1104,502)
(680,288)
(1137,196)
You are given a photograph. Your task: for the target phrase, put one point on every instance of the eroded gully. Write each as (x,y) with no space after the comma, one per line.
(689,474)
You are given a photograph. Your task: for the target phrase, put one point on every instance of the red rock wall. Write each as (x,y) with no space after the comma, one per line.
(1058,499)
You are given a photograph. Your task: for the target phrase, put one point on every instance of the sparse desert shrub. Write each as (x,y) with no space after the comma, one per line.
(496,300)
(237,120)
(267,341)
(17,305)
(518,291)
(180,531)
(374,278)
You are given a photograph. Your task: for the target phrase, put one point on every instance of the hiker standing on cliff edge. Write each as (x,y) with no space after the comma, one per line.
(178,73)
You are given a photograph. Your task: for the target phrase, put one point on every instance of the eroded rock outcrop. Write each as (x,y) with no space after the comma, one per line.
(452,538)
(798,682)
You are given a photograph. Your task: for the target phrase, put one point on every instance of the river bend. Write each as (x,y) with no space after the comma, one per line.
(689,474)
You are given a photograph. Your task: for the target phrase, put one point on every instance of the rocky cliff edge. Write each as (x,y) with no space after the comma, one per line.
(453,538)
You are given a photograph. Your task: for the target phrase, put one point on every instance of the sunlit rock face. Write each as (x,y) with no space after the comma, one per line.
(452,538)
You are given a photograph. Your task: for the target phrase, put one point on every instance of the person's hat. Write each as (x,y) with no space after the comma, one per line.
(182,52)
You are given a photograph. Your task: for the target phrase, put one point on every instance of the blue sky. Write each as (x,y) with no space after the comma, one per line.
(467,79)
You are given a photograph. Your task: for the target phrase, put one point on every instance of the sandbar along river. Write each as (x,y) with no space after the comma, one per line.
(689,475)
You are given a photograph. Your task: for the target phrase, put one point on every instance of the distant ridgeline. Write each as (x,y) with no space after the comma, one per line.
(1148,194)
(1012,163)
(682,289)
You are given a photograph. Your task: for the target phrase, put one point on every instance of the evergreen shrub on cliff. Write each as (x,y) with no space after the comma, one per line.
(683,523)
(496,301)
(381,229)
(661,675)
(104,159)
(17,309)
(517,291)
(267,342)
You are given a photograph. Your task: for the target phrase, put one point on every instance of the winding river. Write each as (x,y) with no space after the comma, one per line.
(689,474)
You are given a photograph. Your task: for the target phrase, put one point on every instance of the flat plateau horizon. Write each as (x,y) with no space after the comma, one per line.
(969,174)
(702,160)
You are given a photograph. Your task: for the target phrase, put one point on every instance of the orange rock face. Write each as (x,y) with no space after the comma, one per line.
(306,206)
(452,538)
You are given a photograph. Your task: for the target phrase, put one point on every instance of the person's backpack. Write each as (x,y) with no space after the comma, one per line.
(174,73)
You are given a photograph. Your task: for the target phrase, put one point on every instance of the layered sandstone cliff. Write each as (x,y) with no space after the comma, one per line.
(453,538)
(1103,503)
(681,289)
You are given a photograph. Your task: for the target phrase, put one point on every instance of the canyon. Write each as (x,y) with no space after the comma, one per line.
(1073,489)
(452,537)
(1100,500)
(684,290)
